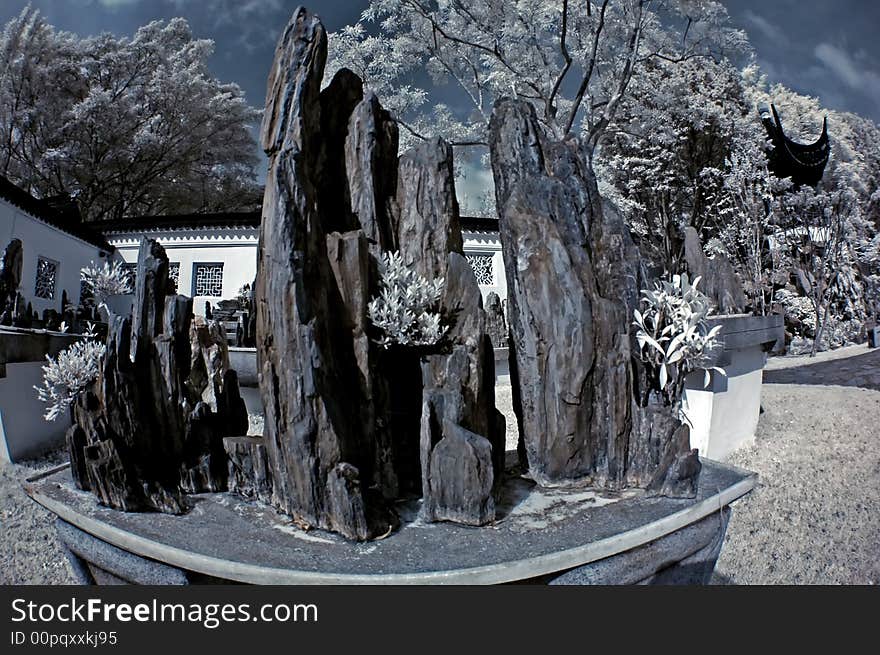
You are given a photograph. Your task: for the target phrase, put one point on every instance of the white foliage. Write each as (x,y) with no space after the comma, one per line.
(110,279)
(406,307)
(543,51)
(799,308)
(672,334)
(72,371)
(126,125)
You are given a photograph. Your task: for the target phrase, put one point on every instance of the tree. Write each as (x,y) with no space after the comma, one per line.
(667,159)
(828,237)
(572,59)
(127,126)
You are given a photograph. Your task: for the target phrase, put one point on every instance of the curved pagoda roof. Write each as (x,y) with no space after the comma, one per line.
(804,163)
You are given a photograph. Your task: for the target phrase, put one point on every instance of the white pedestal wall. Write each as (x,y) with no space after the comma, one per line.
(724,415)
(23,431)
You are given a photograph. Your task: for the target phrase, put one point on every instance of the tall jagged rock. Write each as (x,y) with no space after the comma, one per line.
(309,372)
(573,275)
(343,416)
(150,429)
(371,167)
(719,280)
(459,384)
(11,305)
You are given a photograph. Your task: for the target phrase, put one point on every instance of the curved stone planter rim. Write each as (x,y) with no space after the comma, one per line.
(512,570)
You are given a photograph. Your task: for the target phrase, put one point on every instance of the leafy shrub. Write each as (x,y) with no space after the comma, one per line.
(406,309)
(673,336)
(799,308)
(73,370)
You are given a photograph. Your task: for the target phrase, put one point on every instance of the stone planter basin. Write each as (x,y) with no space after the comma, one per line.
(724,415)
(544,536)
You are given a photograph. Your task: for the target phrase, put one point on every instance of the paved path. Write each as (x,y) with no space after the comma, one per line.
(854,366)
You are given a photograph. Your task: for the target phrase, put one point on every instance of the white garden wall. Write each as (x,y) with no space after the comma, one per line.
(234,248)
(39,239)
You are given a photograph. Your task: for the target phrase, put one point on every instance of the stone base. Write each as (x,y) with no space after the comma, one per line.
(540,536)
(685,557)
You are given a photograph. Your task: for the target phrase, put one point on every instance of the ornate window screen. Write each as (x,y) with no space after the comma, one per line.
(174,273)
(132,270)
(208,280)
(47,273)
(482,268)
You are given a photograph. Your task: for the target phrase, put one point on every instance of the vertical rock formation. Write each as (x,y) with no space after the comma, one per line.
(459,385)
(152,425)
(250,473)
(573,276)
(309,374)
(11,302)
(344,430)
(719,280)
(496,323)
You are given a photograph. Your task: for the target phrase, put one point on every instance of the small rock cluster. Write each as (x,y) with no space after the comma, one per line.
(151,427)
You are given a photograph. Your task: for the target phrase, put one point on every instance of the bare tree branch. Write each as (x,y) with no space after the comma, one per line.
(590,67)
(549,108)
(625,76)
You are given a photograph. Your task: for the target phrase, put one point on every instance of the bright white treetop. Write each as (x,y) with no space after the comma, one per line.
(126,125)
(573,59)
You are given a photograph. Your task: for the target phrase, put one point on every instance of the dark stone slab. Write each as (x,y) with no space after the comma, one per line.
(94,560)
(743,331)
(22,345)
(686,556)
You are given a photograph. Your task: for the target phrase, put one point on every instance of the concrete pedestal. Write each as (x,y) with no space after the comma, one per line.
(723,415)
(23,431)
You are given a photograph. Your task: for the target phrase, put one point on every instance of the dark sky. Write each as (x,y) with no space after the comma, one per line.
(828,48)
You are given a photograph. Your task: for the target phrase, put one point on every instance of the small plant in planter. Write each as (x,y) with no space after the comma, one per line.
(407,308)
(673,336)
(105,281)
(71,372)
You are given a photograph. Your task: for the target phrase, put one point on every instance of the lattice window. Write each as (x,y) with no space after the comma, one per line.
(208,280)
(174,273)
(132,270)
(47,274)
(482,268)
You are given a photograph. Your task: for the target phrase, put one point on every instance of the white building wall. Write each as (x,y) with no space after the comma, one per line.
(40,239)
(235,248)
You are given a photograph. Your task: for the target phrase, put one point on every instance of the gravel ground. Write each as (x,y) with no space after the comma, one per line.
(29,550)
(812,519)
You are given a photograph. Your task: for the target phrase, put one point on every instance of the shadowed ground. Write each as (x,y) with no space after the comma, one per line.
(854,366)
